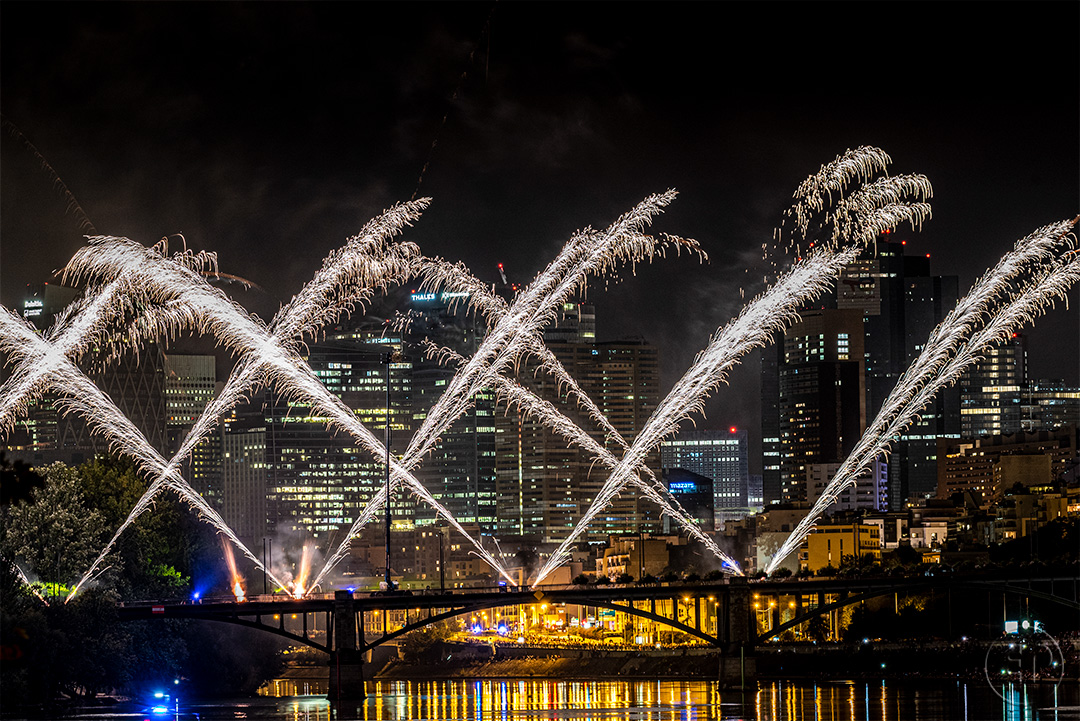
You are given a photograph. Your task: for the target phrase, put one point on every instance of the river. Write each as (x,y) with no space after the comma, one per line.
(536,700)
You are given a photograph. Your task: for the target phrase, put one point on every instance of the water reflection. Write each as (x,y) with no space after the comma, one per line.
(547,700)
(661,700)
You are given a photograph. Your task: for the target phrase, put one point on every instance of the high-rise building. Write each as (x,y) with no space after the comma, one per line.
(822,398)
(544,483)
(34,437)
(694,492)
(901,304)
(1048,405)
(319,480)
(43,302)
(136,385)
(623,378)
(460,471)
(870,491)
(991,390)
(720,455)
(190,384)
(770,360)
(244,482)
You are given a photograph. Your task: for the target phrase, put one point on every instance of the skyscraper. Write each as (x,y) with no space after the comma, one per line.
(318,480)
(990,391)
(460,471)
(822,398)
(901,304)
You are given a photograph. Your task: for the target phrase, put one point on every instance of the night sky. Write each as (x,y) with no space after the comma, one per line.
(270,132)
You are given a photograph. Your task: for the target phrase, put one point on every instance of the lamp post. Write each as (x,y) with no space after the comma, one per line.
(389,583)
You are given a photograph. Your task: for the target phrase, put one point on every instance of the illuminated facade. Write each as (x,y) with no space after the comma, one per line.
(830,545)
(822,396)
(870,491)
(460,471)
(990,391)
(318,480)
(190,382)
(974,465)
(544,485)
(694,492)
(722,456)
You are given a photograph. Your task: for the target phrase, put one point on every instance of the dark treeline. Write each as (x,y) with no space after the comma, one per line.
(53,527)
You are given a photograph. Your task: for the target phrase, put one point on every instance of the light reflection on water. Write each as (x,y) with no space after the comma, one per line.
(544,700)
(549,700)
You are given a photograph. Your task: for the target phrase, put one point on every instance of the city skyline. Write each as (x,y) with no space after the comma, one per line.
(271,154)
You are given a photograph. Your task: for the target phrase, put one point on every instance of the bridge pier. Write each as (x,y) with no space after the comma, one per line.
(346,660)
(738,666)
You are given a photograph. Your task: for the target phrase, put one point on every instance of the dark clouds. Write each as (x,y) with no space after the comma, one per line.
(272,131)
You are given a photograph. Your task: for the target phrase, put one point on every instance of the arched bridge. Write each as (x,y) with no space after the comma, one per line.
(725,614)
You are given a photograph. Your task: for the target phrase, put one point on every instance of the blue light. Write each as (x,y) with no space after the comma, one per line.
(159,694)
(195,596)
(159,710)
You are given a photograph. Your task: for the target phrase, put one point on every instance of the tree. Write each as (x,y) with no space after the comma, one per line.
(54,536)
(157,552)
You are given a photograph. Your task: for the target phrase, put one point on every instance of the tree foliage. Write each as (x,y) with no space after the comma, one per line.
(79,648)
(53,535)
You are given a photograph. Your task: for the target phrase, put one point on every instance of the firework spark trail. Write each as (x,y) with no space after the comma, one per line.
(68,339)
(79,395)
(857,220)
(544,411)
(26,582)
(264,357)
(208,309)
(493,308)
(953,346)
(769,313)
(587,252)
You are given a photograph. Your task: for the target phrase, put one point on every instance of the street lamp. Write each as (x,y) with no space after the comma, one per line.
(388,358)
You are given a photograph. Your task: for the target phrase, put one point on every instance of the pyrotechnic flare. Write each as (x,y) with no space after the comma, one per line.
(987,315)
(183,301)
(26,582)
(234,575)
(297,586)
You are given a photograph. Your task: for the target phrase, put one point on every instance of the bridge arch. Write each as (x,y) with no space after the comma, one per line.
(460,611)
